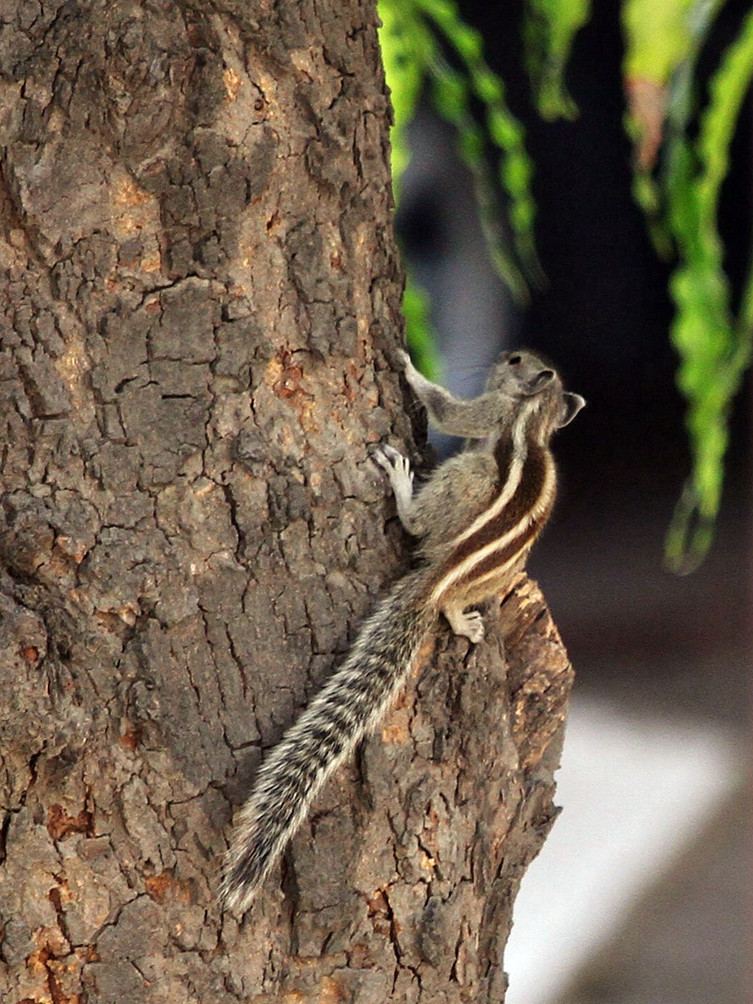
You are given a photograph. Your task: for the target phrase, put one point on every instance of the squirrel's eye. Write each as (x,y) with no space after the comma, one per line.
(514,360)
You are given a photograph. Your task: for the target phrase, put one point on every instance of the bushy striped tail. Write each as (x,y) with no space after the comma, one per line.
(350,704)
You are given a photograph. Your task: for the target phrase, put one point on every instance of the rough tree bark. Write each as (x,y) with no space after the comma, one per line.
(199,309)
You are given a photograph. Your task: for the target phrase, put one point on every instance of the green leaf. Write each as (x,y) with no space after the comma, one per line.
(503,130)
(419,331)
(714,346)
(548,32)
(411,37)
(662,43)
(659,36)
(407,50)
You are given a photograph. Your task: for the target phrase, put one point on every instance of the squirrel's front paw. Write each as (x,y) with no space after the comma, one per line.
(396,465)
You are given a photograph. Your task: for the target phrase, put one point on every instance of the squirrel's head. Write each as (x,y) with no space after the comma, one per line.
(523,374)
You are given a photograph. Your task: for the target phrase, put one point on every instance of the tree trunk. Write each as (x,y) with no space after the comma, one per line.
(199,311)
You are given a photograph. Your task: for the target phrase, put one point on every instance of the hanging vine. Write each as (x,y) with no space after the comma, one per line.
(680,160)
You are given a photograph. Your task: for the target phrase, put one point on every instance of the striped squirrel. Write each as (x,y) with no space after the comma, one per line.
(477,517)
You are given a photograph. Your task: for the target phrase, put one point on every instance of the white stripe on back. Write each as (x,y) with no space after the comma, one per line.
(467,565)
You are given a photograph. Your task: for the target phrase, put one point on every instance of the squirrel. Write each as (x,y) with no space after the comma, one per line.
(477,518)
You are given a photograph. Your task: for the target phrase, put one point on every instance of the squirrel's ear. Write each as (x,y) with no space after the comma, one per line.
(536,383)
(571,405)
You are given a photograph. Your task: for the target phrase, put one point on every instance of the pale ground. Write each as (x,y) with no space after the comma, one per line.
(642,892)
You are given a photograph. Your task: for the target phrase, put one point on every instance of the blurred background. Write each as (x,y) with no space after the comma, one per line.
(641,895)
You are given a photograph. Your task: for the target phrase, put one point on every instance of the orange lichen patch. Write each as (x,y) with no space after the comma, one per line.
(51,944)
(351,384)
(105,619)
(30,654)
(308,421)
(232,81)
(381,916)
(401,699)
(54,972)
(136,211)
(378,906)
(285,379)
(72,547)
(127,193)
(397,732)
(163,888)
(152,262)
(330,991)
(37,961)
(130,738)
(157,886)
(60,824)
(289,383)
(273,372)
(60,894)
(397,728)
(423,655)
(130,223)
(128,613)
